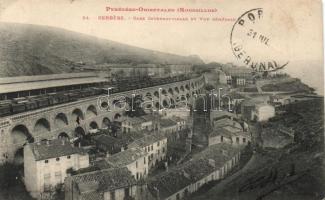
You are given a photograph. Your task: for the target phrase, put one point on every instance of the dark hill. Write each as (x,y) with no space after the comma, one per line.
(32,49)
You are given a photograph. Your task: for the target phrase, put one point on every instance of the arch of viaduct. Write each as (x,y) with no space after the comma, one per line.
(61,120)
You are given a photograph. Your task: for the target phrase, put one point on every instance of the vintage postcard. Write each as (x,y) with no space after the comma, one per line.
(161,100)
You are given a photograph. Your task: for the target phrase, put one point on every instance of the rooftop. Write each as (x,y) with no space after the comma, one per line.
(198,169)
(125,157)
(103,180)
(147,140)
(167,122)
(141,119)
(202,164)
(107,140)
(54,149)
(168,183)
(220,153)
(226,122)
(25,83)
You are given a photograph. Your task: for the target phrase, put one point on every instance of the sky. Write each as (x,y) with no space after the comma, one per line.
(293,26)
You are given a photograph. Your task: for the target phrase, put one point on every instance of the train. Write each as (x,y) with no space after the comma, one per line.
(23,104)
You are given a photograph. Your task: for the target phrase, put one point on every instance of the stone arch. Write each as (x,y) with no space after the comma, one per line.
(164,92)
(117,116)
(91,111)
(20,135)
(157,105)
(170,91)
(187,87)
(188,95)
(63,135)
(93,125)
(148,95)
(60,120)
(106,122)
(165,103)
(42,125)
(104,105)
(77,113)
(182,88)
(177,90)
(79,132)
(172,102)
(192,85)
(156,94)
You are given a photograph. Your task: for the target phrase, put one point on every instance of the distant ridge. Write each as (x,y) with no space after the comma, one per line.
(32,50)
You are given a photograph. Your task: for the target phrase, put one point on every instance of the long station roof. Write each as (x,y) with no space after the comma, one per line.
(26,83)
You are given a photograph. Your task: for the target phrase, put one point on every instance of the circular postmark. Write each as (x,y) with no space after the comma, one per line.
(253,44)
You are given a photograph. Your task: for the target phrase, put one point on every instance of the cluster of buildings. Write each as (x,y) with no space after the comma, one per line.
(236,76)
(212,164)
(119,165)
(228,131)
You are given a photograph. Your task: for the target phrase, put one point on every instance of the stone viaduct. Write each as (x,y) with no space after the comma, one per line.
(61,120)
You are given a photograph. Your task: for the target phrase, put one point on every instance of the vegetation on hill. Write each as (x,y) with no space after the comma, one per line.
(292,85)
(32,49)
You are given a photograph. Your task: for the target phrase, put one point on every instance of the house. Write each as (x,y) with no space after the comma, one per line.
(168,127)
(247,107)
(228,131)
(181,122)
(171,185)
(46,164)
(135,159)
(132,124)
(216,115)
(214,163)
(238,136)
(237,76)
(108,144)
(223,156)
(154,145)
(107,184)
(279,100)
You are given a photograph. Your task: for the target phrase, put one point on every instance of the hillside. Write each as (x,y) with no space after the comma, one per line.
(292,85)
(32,49)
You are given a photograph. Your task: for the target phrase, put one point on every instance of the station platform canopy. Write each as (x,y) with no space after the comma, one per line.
(26,83)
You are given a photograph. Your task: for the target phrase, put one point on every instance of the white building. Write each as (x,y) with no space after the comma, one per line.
(135,159)
(154,145)
(132,124)
(263,112)
(46,164)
